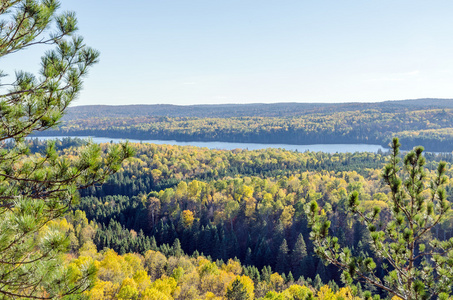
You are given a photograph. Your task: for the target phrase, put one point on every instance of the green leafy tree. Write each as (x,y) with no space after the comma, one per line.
(35,189)
(417,265)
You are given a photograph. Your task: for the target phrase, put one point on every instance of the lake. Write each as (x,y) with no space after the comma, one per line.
(329,148)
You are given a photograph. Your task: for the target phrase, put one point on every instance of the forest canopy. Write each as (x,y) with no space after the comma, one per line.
(229,215)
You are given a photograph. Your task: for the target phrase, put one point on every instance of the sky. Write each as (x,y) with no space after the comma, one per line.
(260,51)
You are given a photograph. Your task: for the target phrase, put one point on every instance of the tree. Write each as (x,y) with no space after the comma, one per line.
(299,256)
(282,264)
(417,265)
(153,210)
(36,189)
(240,289)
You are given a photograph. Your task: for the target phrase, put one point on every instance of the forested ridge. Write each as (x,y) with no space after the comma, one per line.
(247,110)
(428,122)
(199,220)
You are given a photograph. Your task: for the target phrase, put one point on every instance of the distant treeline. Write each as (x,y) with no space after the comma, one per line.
(247,110)
(432,128)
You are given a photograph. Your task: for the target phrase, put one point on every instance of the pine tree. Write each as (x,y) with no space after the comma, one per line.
(177,251)
(266,272)
(284,277)
(206,240)
(317,283)
(237,291)
(216,250)
(290,277)
(321,271)
(333,286)
(268,257)
(418,266)
(153,244)
(35,189)
(195,254)
(298,256)
(254,274)
(279,234)
(282,258)
(248,261)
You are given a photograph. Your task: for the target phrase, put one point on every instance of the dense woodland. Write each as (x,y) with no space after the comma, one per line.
(193,223)
(416,122)
(190,223)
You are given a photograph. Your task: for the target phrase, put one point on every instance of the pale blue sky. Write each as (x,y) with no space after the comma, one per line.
(243,51)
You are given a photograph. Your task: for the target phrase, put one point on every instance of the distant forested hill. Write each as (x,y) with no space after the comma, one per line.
(427,122)
(245,110)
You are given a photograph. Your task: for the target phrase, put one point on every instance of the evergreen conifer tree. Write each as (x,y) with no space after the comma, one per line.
(237,291)
(248,261)
(266,272)
(298,256)
(282,258)
(417,265)
(177,251)
(35,189)
(317,283)
(290,277)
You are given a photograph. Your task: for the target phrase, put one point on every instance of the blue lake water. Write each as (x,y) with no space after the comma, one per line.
(329,148)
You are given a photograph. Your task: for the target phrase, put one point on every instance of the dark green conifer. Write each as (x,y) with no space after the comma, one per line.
(177,251)
(290,278)
(248,261)
(195,254)
(282,264)
(298,257)
(153,244)
(237,291)
(333,286)
(266,272)
(317,283)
